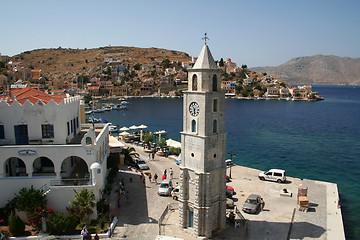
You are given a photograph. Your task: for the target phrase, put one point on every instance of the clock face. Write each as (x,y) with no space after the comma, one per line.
(194,109)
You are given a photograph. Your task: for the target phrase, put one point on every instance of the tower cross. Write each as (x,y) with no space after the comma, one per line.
(205,38)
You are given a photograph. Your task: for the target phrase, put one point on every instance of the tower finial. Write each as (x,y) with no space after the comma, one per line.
(205,38)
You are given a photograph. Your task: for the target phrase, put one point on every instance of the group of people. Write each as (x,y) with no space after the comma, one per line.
(123,190)
(151,156)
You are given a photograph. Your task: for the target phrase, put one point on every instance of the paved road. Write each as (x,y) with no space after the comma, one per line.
(138,218)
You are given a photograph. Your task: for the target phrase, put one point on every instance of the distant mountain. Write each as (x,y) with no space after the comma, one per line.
(317,70)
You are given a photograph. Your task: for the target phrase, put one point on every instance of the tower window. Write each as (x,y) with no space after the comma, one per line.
(215,105)
(194,82)
(214,83)
(214,126)
(193,125)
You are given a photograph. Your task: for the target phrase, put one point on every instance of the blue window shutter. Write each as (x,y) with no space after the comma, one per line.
(51,131)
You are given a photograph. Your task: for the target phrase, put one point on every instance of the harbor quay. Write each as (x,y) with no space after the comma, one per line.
(280,217)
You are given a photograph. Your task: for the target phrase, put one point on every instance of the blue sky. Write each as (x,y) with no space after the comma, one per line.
(256,32)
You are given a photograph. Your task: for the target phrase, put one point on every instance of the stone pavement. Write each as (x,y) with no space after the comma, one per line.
(138,219)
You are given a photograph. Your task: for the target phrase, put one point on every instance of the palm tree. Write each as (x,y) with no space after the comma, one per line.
(84,202)
(162,144)
(130,153)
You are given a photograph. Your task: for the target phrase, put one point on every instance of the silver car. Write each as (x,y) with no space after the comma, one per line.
(252,203)
(165,187)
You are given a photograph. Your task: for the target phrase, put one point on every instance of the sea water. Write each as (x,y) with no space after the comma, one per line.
(313,140)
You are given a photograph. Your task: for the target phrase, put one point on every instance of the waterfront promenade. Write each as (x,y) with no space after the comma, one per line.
(138,219)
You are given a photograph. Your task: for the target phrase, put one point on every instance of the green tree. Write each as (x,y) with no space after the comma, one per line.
(242,74)
(83,79)
(129,154)
(162,143)
(137,66)
(221,62)
(87,99)
(238,89)
(244,93)
(244,66)
(148,138)
(30,198)
(84,201)
(165,63)
(16,226)
(264,73)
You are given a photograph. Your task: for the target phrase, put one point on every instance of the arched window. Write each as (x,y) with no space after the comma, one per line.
(214,83)
(193,126)
(214,126)
(88,140)
(194,82)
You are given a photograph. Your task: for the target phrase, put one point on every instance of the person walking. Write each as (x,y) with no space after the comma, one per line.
(149,175)
(155,178)
(171,171)
(153,155)
(127,196)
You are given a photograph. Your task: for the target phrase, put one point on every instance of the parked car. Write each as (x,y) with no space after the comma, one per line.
(276,175)
(141,164)
(175,193)
(229,191)
(252,203)
(165,187)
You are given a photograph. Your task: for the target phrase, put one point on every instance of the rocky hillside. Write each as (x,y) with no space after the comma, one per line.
(317,70)
(65,64)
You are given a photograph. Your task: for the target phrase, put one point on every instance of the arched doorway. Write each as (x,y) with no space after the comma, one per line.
(43,166)
(74,171)
(14,167)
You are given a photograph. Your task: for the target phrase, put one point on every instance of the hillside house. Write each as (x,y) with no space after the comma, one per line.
(272,92)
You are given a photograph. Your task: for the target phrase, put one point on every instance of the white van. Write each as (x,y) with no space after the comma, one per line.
(275,175)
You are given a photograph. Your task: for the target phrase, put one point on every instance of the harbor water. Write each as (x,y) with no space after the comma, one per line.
(313,140)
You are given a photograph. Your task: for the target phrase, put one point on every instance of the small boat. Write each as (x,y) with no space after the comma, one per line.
(97,110)
(113,128)
(106,108)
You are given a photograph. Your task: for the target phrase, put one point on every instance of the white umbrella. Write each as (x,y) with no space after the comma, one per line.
(142,126)
(133,127)
(124,129)
(124,134)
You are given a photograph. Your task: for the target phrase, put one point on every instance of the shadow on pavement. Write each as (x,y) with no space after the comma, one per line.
(133,211)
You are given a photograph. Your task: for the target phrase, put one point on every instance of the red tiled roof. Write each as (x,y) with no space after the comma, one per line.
(93,88)
(33,95)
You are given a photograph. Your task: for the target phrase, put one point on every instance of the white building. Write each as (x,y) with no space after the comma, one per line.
(202,206)
(44,144)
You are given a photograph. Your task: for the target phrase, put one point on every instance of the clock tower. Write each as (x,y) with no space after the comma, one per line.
(203,143)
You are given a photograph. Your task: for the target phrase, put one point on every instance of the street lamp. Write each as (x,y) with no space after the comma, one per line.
(232,155)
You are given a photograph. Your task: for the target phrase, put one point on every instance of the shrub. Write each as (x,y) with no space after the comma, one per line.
(174,150)
(16,226)
(34,217)
(59,224)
